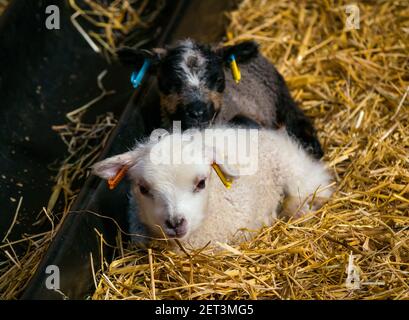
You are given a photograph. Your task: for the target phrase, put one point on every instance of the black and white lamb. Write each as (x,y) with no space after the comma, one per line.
(179,194)
(196,89)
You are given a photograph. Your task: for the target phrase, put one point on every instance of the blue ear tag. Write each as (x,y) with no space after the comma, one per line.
(137,77)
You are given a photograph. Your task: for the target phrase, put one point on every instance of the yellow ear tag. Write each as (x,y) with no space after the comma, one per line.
(227,183)
(113,182)
(235,71)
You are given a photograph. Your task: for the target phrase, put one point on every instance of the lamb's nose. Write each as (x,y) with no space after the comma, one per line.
(196,109)
(175,223)
(195,114)
(178,225)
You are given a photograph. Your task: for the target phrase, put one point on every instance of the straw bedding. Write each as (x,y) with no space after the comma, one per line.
(85,142)
(3,5)
(111,24)
(354,84)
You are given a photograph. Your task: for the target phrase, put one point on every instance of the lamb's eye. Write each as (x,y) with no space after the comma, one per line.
(144,190)
(200,185)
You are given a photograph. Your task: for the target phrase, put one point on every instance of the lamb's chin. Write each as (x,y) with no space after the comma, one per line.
(174,235)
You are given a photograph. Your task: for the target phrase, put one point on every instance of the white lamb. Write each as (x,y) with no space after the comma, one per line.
(183,197)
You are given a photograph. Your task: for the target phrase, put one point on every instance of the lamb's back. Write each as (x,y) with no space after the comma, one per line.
(257,94)
(250,203)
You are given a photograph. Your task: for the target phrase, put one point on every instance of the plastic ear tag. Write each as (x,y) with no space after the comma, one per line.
(227,182)
(137,77)
(113,182)
(235,71)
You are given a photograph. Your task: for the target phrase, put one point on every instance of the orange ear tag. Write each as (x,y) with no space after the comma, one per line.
(227,183)
(113,182)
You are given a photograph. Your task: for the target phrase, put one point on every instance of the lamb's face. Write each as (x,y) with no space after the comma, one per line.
(169,181)
(191,77)
(172,199)
(169,178)
(191,82)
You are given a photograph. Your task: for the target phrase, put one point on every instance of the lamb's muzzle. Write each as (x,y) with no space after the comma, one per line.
(176,227)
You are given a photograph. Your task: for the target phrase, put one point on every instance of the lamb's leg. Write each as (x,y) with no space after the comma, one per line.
(297,207)
(306,188)
(298,125)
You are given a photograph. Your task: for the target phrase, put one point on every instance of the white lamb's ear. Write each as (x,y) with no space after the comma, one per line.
(108,168)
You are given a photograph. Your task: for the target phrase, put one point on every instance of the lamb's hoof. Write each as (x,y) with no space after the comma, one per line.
(292,208)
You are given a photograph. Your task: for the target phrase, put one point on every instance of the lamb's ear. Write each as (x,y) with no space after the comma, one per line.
(135,57)
(108,168)
(244,52)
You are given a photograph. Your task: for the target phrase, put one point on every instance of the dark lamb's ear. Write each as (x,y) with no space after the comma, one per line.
(244,52)
(135,57)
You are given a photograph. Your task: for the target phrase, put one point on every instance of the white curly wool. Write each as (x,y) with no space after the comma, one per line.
(169,201)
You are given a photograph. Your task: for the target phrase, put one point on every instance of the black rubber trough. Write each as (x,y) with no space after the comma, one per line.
(44,75)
